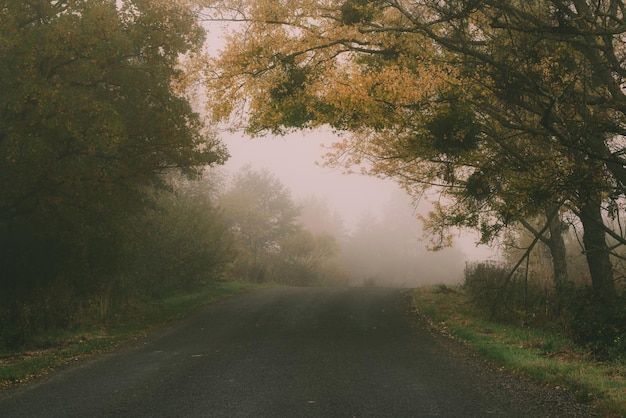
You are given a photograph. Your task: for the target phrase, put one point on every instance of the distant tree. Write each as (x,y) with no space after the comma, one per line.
(307,259)
(273,244)
(317,216)
(261,214)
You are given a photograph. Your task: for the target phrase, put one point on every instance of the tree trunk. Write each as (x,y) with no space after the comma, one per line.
(597,250)
(558,252)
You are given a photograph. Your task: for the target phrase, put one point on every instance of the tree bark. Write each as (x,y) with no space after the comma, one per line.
(558,252)
(597,250)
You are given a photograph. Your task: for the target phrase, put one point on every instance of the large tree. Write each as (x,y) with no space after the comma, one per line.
(90,117)
(550,70)
(515,107)
(88,106)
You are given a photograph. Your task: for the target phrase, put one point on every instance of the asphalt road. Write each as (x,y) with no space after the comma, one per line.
(289,353)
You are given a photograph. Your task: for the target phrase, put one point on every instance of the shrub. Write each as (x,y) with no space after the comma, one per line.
(599,327)
(503,295)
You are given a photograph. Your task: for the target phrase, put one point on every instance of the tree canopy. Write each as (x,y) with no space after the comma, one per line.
(514,108)
(88,108)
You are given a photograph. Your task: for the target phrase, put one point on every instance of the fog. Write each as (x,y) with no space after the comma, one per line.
(381,236)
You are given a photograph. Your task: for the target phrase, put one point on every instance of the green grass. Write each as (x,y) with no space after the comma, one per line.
(57,349)
(540,354)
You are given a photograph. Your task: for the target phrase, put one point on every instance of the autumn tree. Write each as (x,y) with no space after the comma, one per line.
(515,108)
(409,118)
(545,68)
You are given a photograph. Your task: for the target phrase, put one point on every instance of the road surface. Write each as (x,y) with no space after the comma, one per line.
(289,353)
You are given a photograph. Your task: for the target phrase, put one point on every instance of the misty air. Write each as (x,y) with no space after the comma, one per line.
(312,208)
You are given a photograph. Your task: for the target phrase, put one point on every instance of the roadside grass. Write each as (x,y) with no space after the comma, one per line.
(539,354)
(56,349)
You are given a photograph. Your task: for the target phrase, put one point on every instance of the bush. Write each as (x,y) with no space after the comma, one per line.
(593,325)
(97,269)
(599,327)
(504,296)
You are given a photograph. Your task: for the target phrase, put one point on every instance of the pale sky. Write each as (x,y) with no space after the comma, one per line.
(296,160)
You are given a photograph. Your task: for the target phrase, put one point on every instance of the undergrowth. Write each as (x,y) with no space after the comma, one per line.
(58,348)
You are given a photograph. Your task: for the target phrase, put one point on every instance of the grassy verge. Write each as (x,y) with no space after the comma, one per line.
(58,349)
(543,355)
